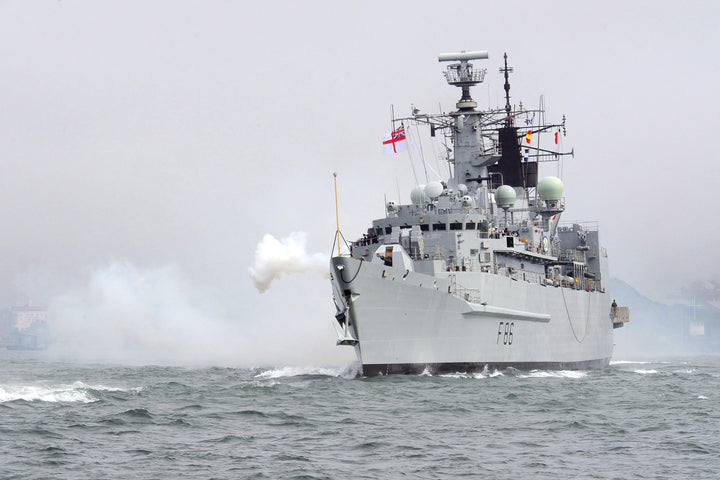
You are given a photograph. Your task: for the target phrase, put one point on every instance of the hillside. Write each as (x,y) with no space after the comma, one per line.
(659,329)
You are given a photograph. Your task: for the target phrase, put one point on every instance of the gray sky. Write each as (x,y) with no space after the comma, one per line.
(178,133)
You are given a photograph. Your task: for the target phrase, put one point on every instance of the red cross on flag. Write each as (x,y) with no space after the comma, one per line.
(396,141)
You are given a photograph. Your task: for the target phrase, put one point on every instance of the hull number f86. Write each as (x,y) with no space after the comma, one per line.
(505,333)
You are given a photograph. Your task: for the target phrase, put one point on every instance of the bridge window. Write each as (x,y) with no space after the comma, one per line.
(456,226)
(439,226)
(470,226)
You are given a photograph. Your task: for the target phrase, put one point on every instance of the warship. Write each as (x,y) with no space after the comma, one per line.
(477,272)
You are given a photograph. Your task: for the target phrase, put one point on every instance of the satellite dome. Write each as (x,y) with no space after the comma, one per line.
(550,189)
(462,188)
(418,196)
(433,189)
(505,196)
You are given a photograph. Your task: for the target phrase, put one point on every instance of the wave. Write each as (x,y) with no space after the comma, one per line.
(485,373)
(353,371)
(518,374)
(629,362)
(77,392)
(554,374)
(687,371)
(645,372)
(350,371)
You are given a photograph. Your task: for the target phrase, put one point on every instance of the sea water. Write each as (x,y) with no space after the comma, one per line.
(657,419)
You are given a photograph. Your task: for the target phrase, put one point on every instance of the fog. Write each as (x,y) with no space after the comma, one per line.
(147,149)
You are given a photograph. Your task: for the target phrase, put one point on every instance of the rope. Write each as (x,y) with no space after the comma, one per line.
(354,276)
(587,318)
(422,154)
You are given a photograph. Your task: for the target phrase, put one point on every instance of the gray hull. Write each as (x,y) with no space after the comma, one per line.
(407,322)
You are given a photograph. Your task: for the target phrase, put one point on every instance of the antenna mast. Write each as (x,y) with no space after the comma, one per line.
(508,108)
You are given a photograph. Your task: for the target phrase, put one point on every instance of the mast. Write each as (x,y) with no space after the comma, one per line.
(506,70)
(470,158)
(514,171)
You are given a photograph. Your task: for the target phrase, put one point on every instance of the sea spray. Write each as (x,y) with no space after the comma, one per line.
(274,258)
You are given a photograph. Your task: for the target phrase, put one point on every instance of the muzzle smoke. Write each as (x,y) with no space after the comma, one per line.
(128,314)
(275,258)
(138,315)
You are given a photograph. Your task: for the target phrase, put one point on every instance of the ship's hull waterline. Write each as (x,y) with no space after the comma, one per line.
(409,322)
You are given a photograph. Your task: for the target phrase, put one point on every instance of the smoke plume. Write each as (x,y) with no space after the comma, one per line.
(274,258)
(134,315)
(129,314)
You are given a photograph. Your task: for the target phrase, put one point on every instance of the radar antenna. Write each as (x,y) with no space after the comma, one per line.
(463,75)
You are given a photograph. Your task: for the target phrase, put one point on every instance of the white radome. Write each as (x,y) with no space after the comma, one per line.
(434,189)
(505,196)
(418,195)
(550,189)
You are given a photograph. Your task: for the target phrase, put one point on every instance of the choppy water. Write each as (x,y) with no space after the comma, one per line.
(632,420)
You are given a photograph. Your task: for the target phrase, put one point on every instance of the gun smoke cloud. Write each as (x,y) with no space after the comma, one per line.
(275,258)
(135,315)
(129,314)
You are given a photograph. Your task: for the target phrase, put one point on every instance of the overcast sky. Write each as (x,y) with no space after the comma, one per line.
(175,134)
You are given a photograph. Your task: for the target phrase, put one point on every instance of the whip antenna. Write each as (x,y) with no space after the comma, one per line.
(337,215)
(338,233)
